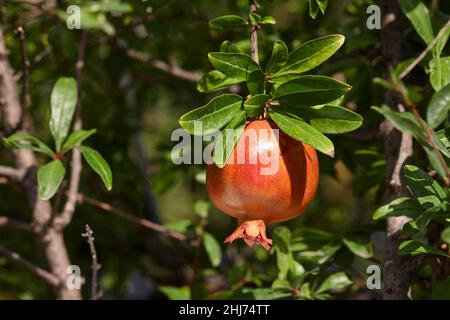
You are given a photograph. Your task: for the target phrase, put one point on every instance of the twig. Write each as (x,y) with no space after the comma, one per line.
(89,235)
(253,33)
(76,163)
(428,131)
(425,52)
(157,64)
(25,68)
(7,221)
(132,218)
(47,276)
(10,173)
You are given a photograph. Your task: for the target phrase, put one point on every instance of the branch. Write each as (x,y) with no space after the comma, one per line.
(89,235)
(132,218)
(10,173)
(425,52)
(7,221)
(76,163)
(47,276)
(252,6)
(173,70)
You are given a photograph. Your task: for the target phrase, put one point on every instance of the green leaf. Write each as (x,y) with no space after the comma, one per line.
(266,293)
(77,137)
(441,290)
(213,116)
(174,293)
(63,102)
(268,20)
(233,65)
(20,140)
(421,184)
(256,82)
(419,16)
(201,208)
(315,6)
(439,107)
(312,53)
(227,22)
(215,80)
(279,57)
(278,80)
(180,225)
(337,280)
(98,164)
(330,119)
(403,121)
(49,178)
(255,18)
(399,207)
(383,83)
(308,90)
(359,245)
(444,136)
(445,235)
(254,106)
(440,72)
(301,131)
(213,249)
(230,47)
(228,138)
(417,247)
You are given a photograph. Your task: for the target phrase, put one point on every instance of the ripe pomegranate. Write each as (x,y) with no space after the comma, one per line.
(241,190)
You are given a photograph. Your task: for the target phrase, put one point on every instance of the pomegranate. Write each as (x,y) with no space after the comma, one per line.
(241,190)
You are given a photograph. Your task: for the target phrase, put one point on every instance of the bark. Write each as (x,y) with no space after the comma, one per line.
(52,239)
(398,149)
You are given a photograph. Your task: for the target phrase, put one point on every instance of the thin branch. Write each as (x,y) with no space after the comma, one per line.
(252,6)
(10,173)
(425,52)
(89,235)
(7,221)
(132,218)
(173,70)
(76,163)
(428,132)
(47,276)
(25,68)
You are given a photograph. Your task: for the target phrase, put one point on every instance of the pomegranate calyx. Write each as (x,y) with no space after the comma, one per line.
(253,232)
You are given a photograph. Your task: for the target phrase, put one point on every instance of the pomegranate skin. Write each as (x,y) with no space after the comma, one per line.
(241,191)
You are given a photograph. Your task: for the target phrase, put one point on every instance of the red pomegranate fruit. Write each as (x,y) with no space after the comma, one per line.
(268,178)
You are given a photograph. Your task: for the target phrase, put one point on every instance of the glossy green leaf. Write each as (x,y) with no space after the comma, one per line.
(445,235)
(175,293)
(256,82)
(77,137)
(254,106)
(228,138)
(279,79)
(312,53)
(337,280)
(301,131)
(63,102)
(268,20)
(233,65)
(359,245)
(440,72)
(403,206)
(20,140)
(417,247)
(330,119)
(418,14)
(49,178)
(317,5)
(255,18)
(402,121)
(213,116)
(201,208)
(213,249)
(308,90)
(227,22)
(279,57)
(230,47)
(215,80)
(439,107)
(98,164)
(421,184)
(444,136)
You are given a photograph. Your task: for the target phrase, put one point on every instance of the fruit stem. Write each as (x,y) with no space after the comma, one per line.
(252,232)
